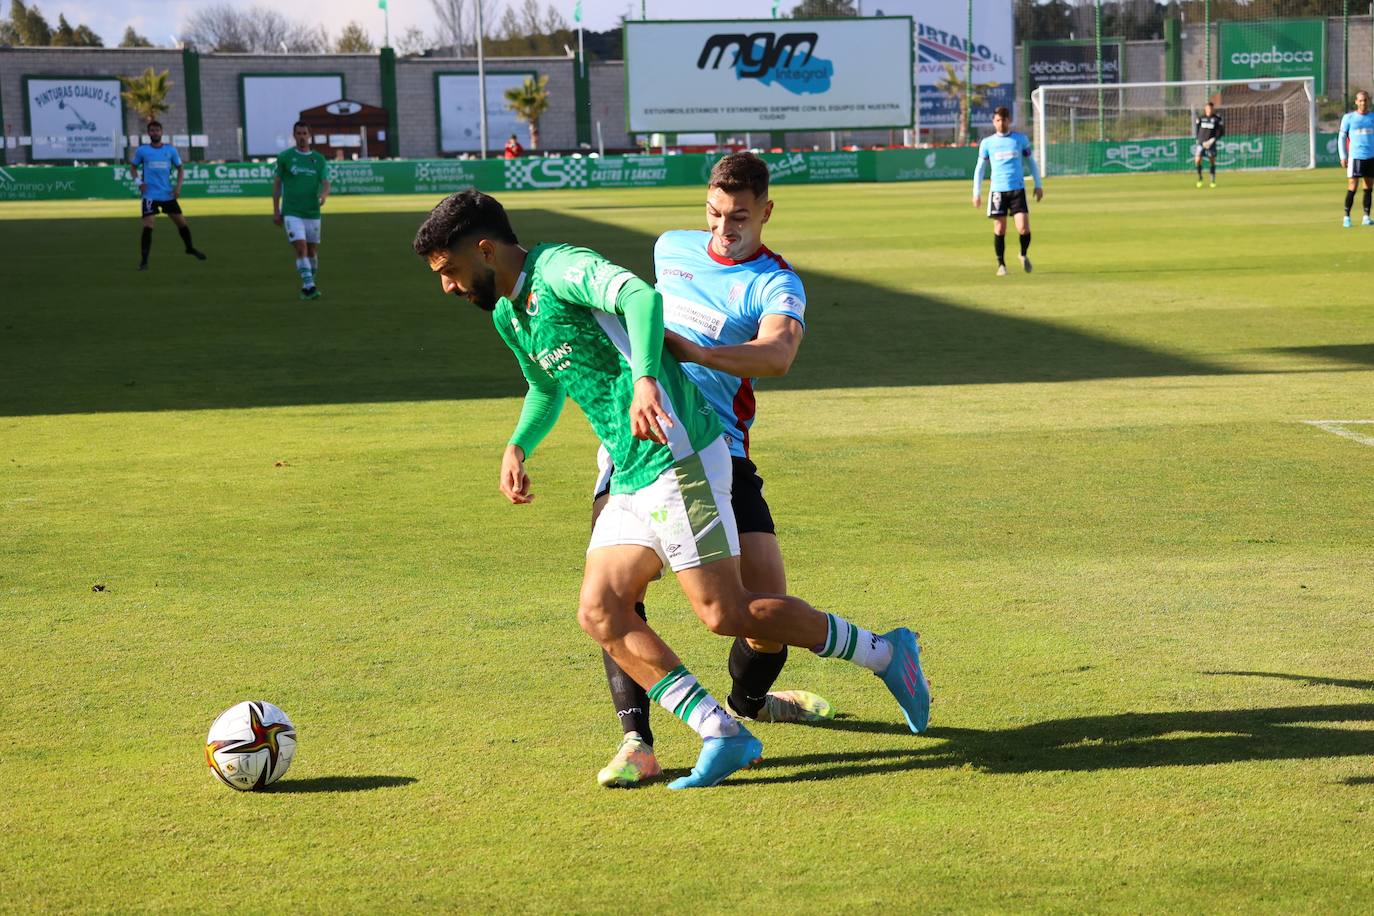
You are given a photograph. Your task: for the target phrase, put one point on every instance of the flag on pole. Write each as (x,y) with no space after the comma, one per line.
(577,11)
(381,4)
(775,8)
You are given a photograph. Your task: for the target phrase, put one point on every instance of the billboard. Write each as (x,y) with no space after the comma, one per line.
(272,102)
(460,120)
(941,35)
(1274,47)
(74,117)
(768,74)
(1059,63)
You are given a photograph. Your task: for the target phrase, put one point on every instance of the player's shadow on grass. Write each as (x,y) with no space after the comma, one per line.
(1358,354)
(339,784)
(1125,741)
(1305,679)
(230,332)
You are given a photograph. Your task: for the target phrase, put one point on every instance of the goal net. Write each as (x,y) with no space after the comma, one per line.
(1114,128)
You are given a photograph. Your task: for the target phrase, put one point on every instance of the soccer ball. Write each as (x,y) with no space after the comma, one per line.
(250,745)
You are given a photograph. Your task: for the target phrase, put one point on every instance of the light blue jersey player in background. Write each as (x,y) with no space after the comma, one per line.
(1355,143)
(732,311)
(1009,154)
(158,160)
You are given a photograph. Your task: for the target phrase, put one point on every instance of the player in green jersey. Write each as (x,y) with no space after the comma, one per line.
(584,328)
(299,189)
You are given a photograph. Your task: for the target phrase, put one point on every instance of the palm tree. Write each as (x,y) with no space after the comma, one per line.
(147,93)
(529,100)
(951,85)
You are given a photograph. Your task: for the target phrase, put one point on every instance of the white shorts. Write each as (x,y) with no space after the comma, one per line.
(684,516)
(299,229)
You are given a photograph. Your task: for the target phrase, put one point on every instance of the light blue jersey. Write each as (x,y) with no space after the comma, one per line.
(714,301)
(158,164)
(1358,129)
(1008,155)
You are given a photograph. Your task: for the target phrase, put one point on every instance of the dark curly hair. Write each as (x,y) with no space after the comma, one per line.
(464,213)
(738,171)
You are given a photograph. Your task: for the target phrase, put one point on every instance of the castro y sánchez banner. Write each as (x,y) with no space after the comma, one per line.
(768,74)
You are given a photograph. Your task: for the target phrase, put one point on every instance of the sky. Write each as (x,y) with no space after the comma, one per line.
(159,20)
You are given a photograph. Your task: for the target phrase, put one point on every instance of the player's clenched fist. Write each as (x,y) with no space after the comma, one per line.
(648,418)
(515,483)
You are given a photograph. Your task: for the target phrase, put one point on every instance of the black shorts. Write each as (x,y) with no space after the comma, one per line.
(1004,203)
(153,207)
(746,498)
(1360,168)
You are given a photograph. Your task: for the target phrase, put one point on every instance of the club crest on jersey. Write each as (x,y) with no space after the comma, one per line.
(532,304)
(736,292)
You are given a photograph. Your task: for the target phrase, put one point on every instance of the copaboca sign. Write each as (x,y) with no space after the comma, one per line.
(74,117)
(768,74)
(1274,48)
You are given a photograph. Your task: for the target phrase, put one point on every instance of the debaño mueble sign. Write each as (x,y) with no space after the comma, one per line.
(768,74)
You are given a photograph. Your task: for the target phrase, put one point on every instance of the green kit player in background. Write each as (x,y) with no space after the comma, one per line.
(299,189)
(584,328)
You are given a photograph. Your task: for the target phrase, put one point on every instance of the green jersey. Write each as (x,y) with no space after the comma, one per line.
(570,338)
(301,176)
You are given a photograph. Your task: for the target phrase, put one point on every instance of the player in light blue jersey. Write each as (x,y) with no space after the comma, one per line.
(733,311)
(1355,144)
(1008,154)
(158,159)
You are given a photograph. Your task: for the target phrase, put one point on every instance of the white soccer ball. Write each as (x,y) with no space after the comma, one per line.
(250,745)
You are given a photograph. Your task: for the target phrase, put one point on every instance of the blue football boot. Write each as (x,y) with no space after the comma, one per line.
(719,758)
(906,680)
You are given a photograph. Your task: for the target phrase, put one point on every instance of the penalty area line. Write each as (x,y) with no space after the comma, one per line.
(1338,428)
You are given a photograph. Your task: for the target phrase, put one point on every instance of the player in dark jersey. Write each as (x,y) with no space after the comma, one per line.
(1209,129)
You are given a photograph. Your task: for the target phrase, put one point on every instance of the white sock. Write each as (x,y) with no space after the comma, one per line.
(681,695)
(855,644)
(315,263)
(306,271)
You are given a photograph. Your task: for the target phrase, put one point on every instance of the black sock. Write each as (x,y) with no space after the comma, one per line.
(753,673)
(631,700)
(1349,201)
(186,236)
(1367,194)
(999,245)
(1214,170)
(1025,244)
(1199,170)
(146,243)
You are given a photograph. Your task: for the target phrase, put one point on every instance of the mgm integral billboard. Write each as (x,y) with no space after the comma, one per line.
(768,74)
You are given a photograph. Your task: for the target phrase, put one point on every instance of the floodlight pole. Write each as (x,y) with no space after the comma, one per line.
(968,77)
(481,82)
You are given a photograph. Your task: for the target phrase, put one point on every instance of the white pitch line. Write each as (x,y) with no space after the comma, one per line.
(1338,427)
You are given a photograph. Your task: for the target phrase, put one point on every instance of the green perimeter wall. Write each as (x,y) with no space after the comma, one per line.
(441,176)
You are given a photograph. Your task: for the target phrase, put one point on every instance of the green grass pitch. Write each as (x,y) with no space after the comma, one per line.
(1142,580)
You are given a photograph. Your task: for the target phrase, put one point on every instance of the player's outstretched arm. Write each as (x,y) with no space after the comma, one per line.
(978,181)
(770,354)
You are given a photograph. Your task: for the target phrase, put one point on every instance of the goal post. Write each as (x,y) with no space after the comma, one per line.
(1115,128)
